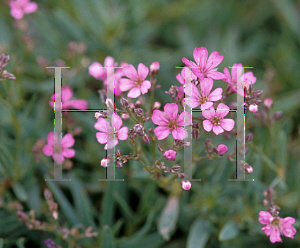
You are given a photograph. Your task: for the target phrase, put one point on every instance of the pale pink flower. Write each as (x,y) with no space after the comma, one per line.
(53,147)
(275,226)
(19,8)
(170,154)
(104,162)
(154,68)
(66,94)
(109,135)
(135,82)
(237,79)
(253,108)
(169,121)
(181,79)
(204,97)
(216,121)
(205,68)
(186,185)
(222,149)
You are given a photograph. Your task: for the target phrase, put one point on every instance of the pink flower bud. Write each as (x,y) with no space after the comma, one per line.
(156,105)
(97,115)
(125,116)
(253,108)
(154,68)
(222,149)
(268,103)
(170,154)
(186,185)
(104,162)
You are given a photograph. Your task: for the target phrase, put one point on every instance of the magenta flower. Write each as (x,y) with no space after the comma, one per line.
(274,226)
(52,148)
(204,97)
(215,120)
(170,154)
(168,121)
(186,185)
(19,8)
(110,135)
(222,149)
(237,79)
(135,81)
(66,94)
(205,68)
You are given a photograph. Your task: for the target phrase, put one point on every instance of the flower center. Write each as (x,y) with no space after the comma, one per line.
(216,121)
(203,99)
(275,222)
(173,124)
(138,82)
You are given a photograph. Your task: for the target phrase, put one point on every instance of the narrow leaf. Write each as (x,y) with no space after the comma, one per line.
(229,231)
(199,234)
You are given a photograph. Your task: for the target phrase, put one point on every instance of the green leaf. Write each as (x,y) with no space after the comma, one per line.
(107,238)
(125,208)
(199,234)
(20,191)
(20,243)
(229,231)
(1,243)
(282,148)
(168,218)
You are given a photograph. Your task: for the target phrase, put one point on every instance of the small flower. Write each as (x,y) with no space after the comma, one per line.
(216,121)
(181,78)
(204,97)
(169,121)
(205,68)
(237,81)
(20,7)
(274,226)
(135,81)
(52,148)
(66,94)
(248,169)
(154,68)
(186,185)
(253,108)
(170,154)
(222,149)
(110,135)
(104,162)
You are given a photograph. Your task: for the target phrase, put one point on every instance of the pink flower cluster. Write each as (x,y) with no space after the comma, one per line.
(18,8)
(275,226)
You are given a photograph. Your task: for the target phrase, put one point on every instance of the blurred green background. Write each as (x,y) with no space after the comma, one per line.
(214,213)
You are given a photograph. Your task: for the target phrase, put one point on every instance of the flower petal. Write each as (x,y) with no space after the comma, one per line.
(117,121)
(179,133)
(58,158)
(184,119)
(52,136)
(126,84)
(208,113)
(111,144)
(130,72)
(134,92)
(102,125)
(222,110)
(227,124)
(109,62)
(191,90)
(96,71)
(217,130)
(188,62)
(66,93)
(214,60)
(159,118)
(68,141)
(142,71)
(200,56)
(192,102)
(79,104)
(215,75)
(216,95)
(207,125)
(275,235)
(161,132)
(48,150)
(171,110)
(68,153)
(206,85)
(123,133)
(30,7)
(101,137)
(264,217)
(146,85)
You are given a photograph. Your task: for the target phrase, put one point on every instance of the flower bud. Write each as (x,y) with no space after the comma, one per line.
(146,139)
(277,115)
(248,169)
(125,116)
(208,143)
(176,167)
(265,202)
(139,112)
(104,162)
(138,104)
(139,129)
(253,108)
(181,175)
(173,91)
(160,148)
(118,152)
(109,104)
(186,185)
(248,137)
(124,102)
(257,93)
(22,216)
(156,105)
(195,134)
(170,154)
(146,119)
(98,115)
(268,103)
(119,164)
(222,149)
(154,68)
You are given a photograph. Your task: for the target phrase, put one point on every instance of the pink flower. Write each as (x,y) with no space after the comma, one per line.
(222,149)
(66,94)
(168,121)
(97,72)
(52,148)
(253,108)
(110,135)
(274,226)
(215,120)
(20,7)
(135,81)
(170,154)
(186,185)
(181,78)
(203,98)
(205,68)
(238,79)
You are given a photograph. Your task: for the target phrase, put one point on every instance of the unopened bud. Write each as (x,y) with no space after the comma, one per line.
(104,162)
(181,175)
(277,115)
(176,167)
(248,137)
(268,103)
(124,102)
(173,91)
(8,75)
(22,216)
(265,202)
(186,185)
(139,129)
(109,104)
(258,93)
(253,108)
(156,105)
(160,148)
(208,143)
(118,152)
(125,116)
(77,131)
(248,169)
(146,119)
(139,112)
(119,164)
(222,149)
(146,139)
(195,134)
(154,68)
(137,104)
